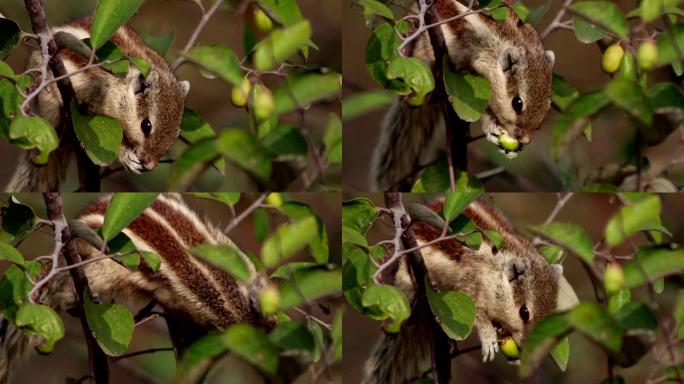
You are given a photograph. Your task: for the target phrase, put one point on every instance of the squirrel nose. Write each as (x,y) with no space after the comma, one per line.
(525,138)
(148,163)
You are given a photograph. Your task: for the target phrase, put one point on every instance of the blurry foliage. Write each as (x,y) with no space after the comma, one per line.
(623,327)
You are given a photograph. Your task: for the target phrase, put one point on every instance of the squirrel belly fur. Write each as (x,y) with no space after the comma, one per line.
(184,286)
(509,54)
(148,108)
(513,288)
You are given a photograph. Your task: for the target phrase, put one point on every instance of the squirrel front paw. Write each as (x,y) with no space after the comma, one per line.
(489,350)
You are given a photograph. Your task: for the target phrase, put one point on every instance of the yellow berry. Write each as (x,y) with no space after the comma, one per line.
(239,95)
(274,199)
(612,58)
(262,21)
(508,143)
(613,278)
(269,300)
(509,348)
(647,54)
(262,102)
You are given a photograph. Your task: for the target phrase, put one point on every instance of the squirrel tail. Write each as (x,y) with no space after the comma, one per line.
(29,177)
(408,141)
(399,358)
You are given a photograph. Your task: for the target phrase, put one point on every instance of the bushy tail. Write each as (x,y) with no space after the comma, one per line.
(30,177)
(399,358)
(408,141)
(15,345)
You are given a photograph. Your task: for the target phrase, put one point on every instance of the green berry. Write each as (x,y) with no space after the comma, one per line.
(269,300)
(508,143)
(262,21)
(613,278)
(612,58)
(647,55)
(510,348)
(239,95)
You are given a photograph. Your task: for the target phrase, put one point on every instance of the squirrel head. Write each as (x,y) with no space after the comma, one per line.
(158,101)
(531,285)
(521,77)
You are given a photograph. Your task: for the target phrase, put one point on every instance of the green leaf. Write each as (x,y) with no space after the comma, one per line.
(357,270)
(142,65)
(225,257)
(358,214)
(281,44)
(152,260)
(561,353)
(618,300)
(652,263)
(244,150)
(10,34)
(40,320)
(301,90)
(390,302)
(495,237)
(456,202)
(563,92)
(288,240)
(195,129)
(582,107)
(15,287)
(287,141)
(552,253)
(628,95)
(592,320)
(454,311)
(253,345)
(570,236)
(670,45)
(373,7)
(587,32)
(228,198)
(541,340)
(101,136)
(643,215)
(122,210)
(332,138)
(308,285)
(665,96)
(361,103)
(109,16)
(111,324)
(196,357)
(160,43)
(604,14)
(261,227)
(350,235)
(650,10)
(34,132)
(293,336)
(469,94)
(191,161)
(6,70)
(219,60)
(287,11)
(678,314)
(9,253)
(297,210)
(382,49)
(636,316)
(286,271)
(18,220)
(416,76)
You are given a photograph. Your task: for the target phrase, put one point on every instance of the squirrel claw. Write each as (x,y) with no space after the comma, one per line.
(489,350)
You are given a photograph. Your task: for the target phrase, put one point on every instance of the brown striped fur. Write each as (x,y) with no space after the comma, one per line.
(500,281)
(412,137)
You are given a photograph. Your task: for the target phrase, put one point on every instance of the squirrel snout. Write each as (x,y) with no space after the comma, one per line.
(148,163)
(524,137)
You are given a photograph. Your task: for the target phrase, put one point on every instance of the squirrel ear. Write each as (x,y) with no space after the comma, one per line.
(185,87)
(557,270)
(550,57)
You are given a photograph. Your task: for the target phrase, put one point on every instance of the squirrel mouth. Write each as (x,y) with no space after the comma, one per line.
(498,136)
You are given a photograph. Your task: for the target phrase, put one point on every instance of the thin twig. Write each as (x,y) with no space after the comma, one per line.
(195,34)
(256,204)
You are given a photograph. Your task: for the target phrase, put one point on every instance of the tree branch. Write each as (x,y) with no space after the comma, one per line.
(98,365)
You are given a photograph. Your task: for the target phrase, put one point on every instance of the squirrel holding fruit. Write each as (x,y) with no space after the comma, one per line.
(508,54)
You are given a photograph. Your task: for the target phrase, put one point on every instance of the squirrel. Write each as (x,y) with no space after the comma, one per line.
(149,108)
(509,54)
(513,288)
(196,296)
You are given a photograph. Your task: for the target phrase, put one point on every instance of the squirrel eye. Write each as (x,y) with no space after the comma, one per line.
(146,127)
(524,314)
(517,104)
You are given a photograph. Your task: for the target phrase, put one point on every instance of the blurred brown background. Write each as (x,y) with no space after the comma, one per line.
(70,357)
(587,363)
(209,97)
(578,63)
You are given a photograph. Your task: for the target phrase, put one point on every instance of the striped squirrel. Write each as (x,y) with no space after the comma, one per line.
(509,54)
(188,289)
(513,288)
(149,108)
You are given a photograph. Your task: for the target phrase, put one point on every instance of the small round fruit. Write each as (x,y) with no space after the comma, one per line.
(262,21)
(647,55)
(613,278)
(508,143)
(239,95)
(274,199)
(510,348)
(262,102)
(612,58)
(269,300)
